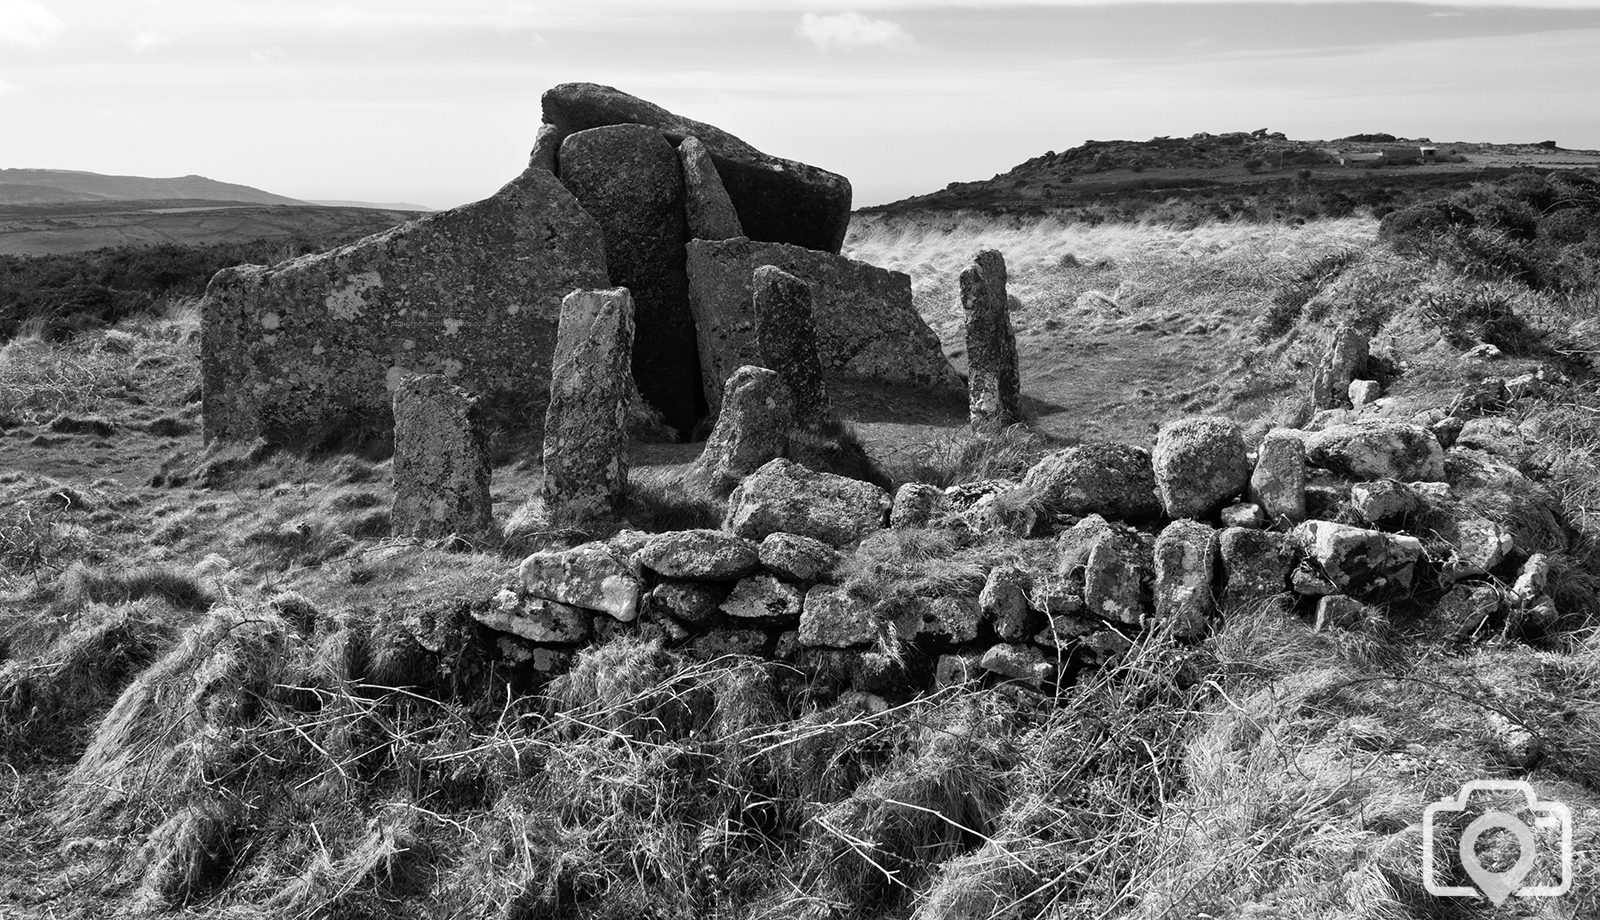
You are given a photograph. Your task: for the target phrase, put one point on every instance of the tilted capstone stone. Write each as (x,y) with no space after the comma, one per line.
(786,337)
(994,390)
(441,466)
(310,351)
(585,436)
(709,211)
(752,429)
(777,200)
(631,180)
(866,326)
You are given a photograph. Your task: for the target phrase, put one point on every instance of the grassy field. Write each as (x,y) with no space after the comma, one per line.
(226,691)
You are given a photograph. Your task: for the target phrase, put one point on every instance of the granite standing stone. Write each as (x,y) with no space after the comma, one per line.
(585,436)
(994,391)
(1344,361)
(752,428)
(709,211)
(786,336)
(629,177)
(441,469)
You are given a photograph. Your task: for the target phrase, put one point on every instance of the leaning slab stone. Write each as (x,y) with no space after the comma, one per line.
(798,558)
(752,429)
(994,392)
(786,497)
(585,427)
(1255,563)
(1114,480)
(1367,564)
(630,179)
(1114,577)
(310,351)
(1343,362)
(1532,578)
(536,619)
(786,337)
(546,143)
(1185,566)
(765,601)
(706,204)
(867,328)
(1278,483)
(704,555)
(1201,464)
(915,505)
(594,576)
(441,466)
(833,619)
(777,200)
(1379,449)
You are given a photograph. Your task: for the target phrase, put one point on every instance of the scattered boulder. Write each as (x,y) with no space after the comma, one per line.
(916,504)
(585,429)
(1465,609)
(705,555)
(309,352)
(1343,362)
(752,429)
(866,326)
(786,337)
(441,464)
(1201,464)
(1366,564)
(1185,567)
(831,617)
(594,576)
(708,209)
(1379,449)
(1018,662)
(798,558)
(785,497)
(1004,601)
(1255,563)
(1102,478)
(777,200)
(764,600)
(1363,393)
(629,177)
(1278,483)
(994,391)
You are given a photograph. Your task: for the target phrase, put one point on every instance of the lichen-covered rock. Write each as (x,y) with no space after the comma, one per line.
(1102,478)
(1114,577)
(866,326)
(594,576)
(1466,609)
(1004,601)
(703,555)
(994,391)
(1244,514)
(310,351)
(693,602)
(1255,563)
(752,429)
(546,144)
(915,505)
(778,200)
(1278,483)
(1340,611)
(1185,566)
(720,643)
(1532,578)
(1378,449)
(629,177)
(765,600)
(585,429)
(709,211)
(441,465)
(1065,630)
(940,619)
(802,559)
(957,668)
(1074,544)
(1367,564)
(1201,464)
(785,497)
(536,619)
(1344,361)
(1477,546)
(1009,512)
(832,618)
(1384,501)
(786,338)
(1363,393)
(1308,582)
(1019,662)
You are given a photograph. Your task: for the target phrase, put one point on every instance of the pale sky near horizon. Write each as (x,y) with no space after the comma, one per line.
(437,103)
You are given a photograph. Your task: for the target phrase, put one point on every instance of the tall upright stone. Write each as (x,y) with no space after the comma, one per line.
(706,204)
(585,428)
(1344,361)
(753,428)
(630,178)
(1278,482)
(994,390)
(441,466)
(786,336)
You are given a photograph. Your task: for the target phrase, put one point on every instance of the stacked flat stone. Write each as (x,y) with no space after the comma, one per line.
(994,390)
(585,431)
(441,469)
(786,336)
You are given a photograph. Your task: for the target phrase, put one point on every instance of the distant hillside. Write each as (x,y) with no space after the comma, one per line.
(78,226)
(52,186)
(380,205)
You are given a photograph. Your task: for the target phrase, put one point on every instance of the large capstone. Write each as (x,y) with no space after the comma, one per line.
(786,336)
(1108,479)
(777,200)
(785,497)
(1201,464)
(866,326)
(994,391)
(752,429)
(585,431)
(309,352)
(441,467)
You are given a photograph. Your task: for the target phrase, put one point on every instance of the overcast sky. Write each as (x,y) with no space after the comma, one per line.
(437,102)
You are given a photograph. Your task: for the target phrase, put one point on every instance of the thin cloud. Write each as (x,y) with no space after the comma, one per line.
(144,40)
(26,22)
(6,87)
(853,30)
